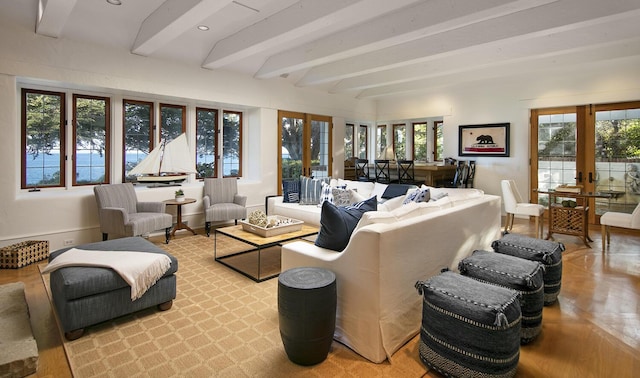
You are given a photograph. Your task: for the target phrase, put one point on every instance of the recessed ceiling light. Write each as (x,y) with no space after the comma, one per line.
(203,27)
(114,2)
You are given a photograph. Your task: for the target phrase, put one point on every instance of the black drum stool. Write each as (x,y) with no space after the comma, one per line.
(307,313)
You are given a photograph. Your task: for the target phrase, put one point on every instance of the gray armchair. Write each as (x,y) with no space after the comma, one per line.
(222,201)
(122,215)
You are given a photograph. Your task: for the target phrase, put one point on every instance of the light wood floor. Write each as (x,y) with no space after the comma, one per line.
(593,330)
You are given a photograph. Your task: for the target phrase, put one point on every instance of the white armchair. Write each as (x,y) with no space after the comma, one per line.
(222,201)
(122,215)
(514,205)
(615,219)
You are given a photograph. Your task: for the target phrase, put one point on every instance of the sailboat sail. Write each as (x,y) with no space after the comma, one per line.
(167,162)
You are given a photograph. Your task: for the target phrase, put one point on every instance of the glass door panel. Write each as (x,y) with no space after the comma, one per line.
(320,155)
(617,158)
(557,136)
(291,146)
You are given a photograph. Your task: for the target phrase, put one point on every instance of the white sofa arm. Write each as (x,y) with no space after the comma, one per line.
(271,202)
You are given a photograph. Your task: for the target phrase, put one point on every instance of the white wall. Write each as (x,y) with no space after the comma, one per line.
(496,101)
(71,214)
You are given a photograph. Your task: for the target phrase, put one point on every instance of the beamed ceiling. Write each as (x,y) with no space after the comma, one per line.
(362,48)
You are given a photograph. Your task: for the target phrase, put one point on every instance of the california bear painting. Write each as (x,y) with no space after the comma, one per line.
(485,139)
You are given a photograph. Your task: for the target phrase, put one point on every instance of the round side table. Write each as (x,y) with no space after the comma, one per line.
(179,224)
(307,313)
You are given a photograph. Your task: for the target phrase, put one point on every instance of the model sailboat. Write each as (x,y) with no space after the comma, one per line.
(168,162)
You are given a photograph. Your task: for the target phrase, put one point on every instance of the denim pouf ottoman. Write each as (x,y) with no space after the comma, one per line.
(547,252)
(469,328)
(522,275)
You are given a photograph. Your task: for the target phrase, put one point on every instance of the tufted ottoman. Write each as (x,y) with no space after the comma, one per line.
(547,252)
(469,328)
(522,275)
(84,296)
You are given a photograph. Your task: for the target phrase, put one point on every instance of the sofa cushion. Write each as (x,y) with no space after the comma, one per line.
(291,191)
(310,189)
(337,223)
(342,197)
(420,195)
(396,190)
(326,194)
(364,188)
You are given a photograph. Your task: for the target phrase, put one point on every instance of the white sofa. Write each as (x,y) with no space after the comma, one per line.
(379,309)
(310,214)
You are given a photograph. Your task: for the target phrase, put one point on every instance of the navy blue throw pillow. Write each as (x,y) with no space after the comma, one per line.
(291,191)
(338,222)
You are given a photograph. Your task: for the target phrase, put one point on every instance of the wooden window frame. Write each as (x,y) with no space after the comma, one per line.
(426,139)
(23,138)
(366,141)
(216,132)
(152,128)
(393,138)
(107,140)
(436,124)
(173,106)
(240,126)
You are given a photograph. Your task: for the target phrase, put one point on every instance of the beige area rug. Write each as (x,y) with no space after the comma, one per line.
(222,324)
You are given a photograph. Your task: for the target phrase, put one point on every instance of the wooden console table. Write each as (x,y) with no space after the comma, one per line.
(570,220)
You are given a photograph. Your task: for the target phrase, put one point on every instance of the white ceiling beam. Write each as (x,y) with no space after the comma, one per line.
(499,53)
(52,16)
(551,18)
(296,24)
(542,65)
(172,19)
(410,23)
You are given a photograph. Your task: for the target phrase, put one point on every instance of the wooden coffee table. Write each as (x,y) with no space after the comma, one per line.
(262,260)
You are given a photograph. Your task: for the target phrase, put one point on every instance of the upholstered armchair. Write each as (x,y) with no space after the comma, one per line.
(122,215)
(222,201)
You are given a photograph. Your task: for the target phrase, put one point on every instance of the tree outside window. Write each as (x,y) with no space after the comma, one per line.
(348,141)
(172,121)
(138,122)
(231,143)
(399,141)
(91,140)
(363,136)
(206,142)
(438,140)
(43,150)
(420,142)
(381,139)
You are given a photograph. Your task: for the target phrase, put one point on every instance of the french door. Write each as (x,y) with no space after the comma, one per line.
(304,145)
(593,146)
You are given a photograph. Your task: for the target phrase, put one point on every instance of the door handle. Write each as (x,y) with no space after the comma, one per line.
(579,177)
(590,177)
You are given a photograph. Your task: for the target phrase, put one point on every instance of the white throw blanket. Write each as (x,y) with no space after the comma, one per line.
(140,270)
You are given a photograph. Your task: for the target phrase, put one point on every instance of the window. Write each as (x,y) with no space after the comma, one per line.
(43,153)
(138,133)
(206,142)
(420,142)
(363,136)
(399,141)
(172,121)
(381,139)
(348,141)
(91,121)
(231,144)
(438,140)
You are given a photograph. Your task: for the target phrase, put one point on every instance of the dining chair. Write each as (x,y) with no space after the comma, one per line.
(381,167)
(514,205)
(406,172)
(617,219)
(362,170)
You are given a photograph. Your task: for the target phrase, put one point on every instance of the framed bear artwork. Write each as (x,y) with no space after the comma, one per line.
(490,139)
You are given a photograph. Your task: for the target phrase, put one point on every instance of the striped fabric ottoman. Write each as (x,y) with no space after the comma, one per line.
(547,252)
(469,328)
(522,275)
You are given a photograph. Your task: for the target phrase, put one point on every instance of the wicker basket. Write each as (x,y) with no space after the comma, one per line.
(24,253)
